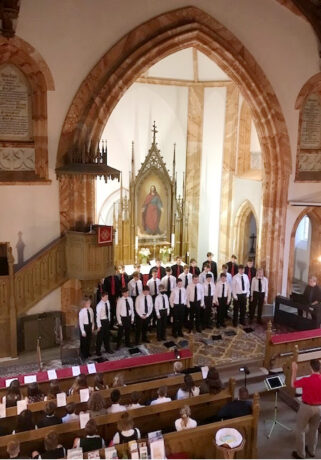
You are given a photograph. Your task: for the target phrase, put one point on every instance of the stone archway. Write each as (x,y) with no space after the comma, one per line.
(144,46)
(242,220)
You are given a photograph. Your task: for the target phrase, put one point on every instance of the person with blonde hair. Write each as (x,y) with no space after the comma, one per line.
(185,422)
(118,381)
(178,367)
(126,431)
(13,449)
(86,327)
(80,383)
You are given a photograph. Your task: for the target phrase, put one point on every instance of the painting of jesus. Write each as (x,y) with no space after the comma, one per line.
(151,212)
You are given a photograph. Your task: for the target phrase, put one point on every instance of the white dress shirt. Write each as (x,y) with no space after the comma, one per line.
(160,400)
(183,277)
(181,394)
(237,285)
(116,407)
(140,305)
(159,304)
(83,318)
(174,298)
(101,312)
(151,284)
(206,286)
(171,280)
(121,309)
(190,293)
(191,423)
(255,285)
(132,287)
(229,278)
(219,291)
(202,277)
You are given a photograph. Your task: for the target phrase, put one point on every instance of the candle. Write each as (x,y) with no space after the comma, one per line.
(173,240)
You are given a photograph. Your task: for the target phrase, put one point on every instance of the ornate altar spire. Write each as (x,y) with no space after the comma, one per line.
(174,161)
(133,161)
(154,131)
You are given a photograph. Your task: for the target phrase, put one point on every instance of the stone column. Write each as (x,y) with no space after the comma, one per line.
(228,171)
(193,163)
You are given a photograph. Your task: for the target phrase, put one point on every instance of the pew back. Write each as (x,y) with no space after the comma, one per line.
(303,362)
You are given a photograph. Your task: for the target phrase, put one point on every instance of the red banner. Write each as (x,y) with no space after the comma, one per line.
(105,235)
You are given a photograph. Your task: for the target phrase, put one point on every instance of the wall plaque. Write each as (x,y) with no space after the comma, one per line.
(17,159)
(311,123)
(15,105)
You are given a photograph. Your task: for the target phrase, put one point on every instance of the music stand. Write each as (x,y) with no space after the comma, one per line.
(274,384)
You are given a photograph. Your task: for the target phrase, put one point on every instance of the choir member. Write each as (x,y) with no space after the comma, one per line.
(212,264)
(177,269)
(86,327)
(162,312)
(229,277)
(241,292)
(135,287)
(209,292)
(259,293)
(222,299)
(206,271)
(122,276)
(103,321)
(186,276)
(194,269)
(144,310)
(169,281)
(195,301)
(137,269)
(250,270)
(178,304)
(125,317)
(113,288)
(153,284)
(232,266)
(159,270)
(100,288)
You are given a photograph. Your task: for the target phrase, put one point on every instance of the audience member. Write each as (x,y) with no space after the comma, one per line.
(70,415)
(188,388)
(134,401)
(185,422)
(238,407)
(34,394)
(115,406)
(80,383)
(96,405)
(212,384)
(162,396)
(177,368)
(13,449)
(126,432)
(92,440)
(99,382)
(118,381)
(13,394)
(52,447)
(50,418)
(54,389)
(24,422)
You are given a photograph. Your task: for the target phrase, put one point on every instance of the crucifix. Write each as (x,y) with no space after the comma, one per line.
(252,238)
(154,131)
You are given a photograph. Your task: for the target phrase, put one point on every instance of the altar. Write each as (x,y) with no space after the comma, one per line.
(150,220)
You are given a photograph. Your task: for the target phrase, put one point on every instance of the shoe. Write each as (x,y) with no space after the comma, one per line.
(98,353)
(308,452)
(295,454)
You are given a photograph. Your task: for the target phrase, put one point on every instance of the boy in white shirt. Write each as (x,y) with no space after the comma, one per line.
(103,320)
(86,326)
(178,304)
(222,299)
(169,282)
(259,293)
(241,292)
(135,287)
(205,272)
(162,396)
(144,310)
(186,277)
(209,292)
(162,312)
(115,406)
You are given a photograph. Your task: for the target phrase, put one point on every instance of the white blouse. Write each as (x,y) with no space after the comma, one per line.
(191,423)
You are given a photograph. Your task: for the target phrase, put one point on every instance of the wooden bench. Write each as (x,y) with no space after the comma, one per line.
(147,389)
(280,347)
(303,361)
(136,369)
(147,419)
(198,442)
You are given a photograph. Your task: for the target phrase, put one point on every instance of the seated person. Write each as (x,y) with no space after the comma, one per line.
(13,449)
(115,406)
(188,389)
(134,401)
(24,422)
(54,389)
(13,394)
(70,413)
(99,383)
(34,394)
(50,418)
(96,405)
(185,422)
(162,396)
(212,384)
(80,383)
(92,440)
(126,432)
(236,408)
(52,447)
(177,368)
(118,381)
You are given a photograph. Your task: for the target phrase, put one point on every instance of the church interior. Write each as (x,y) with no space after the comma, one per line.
(160,232)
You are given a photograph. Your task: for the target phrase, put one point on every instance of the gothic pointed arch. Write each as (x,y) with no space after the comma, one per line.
(242,219)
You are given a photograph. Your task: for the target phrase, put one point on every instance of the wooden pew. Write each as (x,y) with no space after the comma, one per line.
(198,442)
(147,389)
(133,371)
(147,419)
(278,345)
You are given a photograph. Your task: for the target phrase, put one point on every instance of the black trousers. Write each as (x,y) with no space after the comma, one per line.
(141,328)
(258,302)
(239,305)
(195,316)
(161,325)
(113,301)
(103,336)
(206,312)
(85,342)
(124,328)
(179,317)
(221,311)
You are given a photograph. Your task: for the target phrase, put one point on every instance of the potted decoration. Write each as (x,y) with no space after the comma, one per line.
(165,253)
(143,254)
